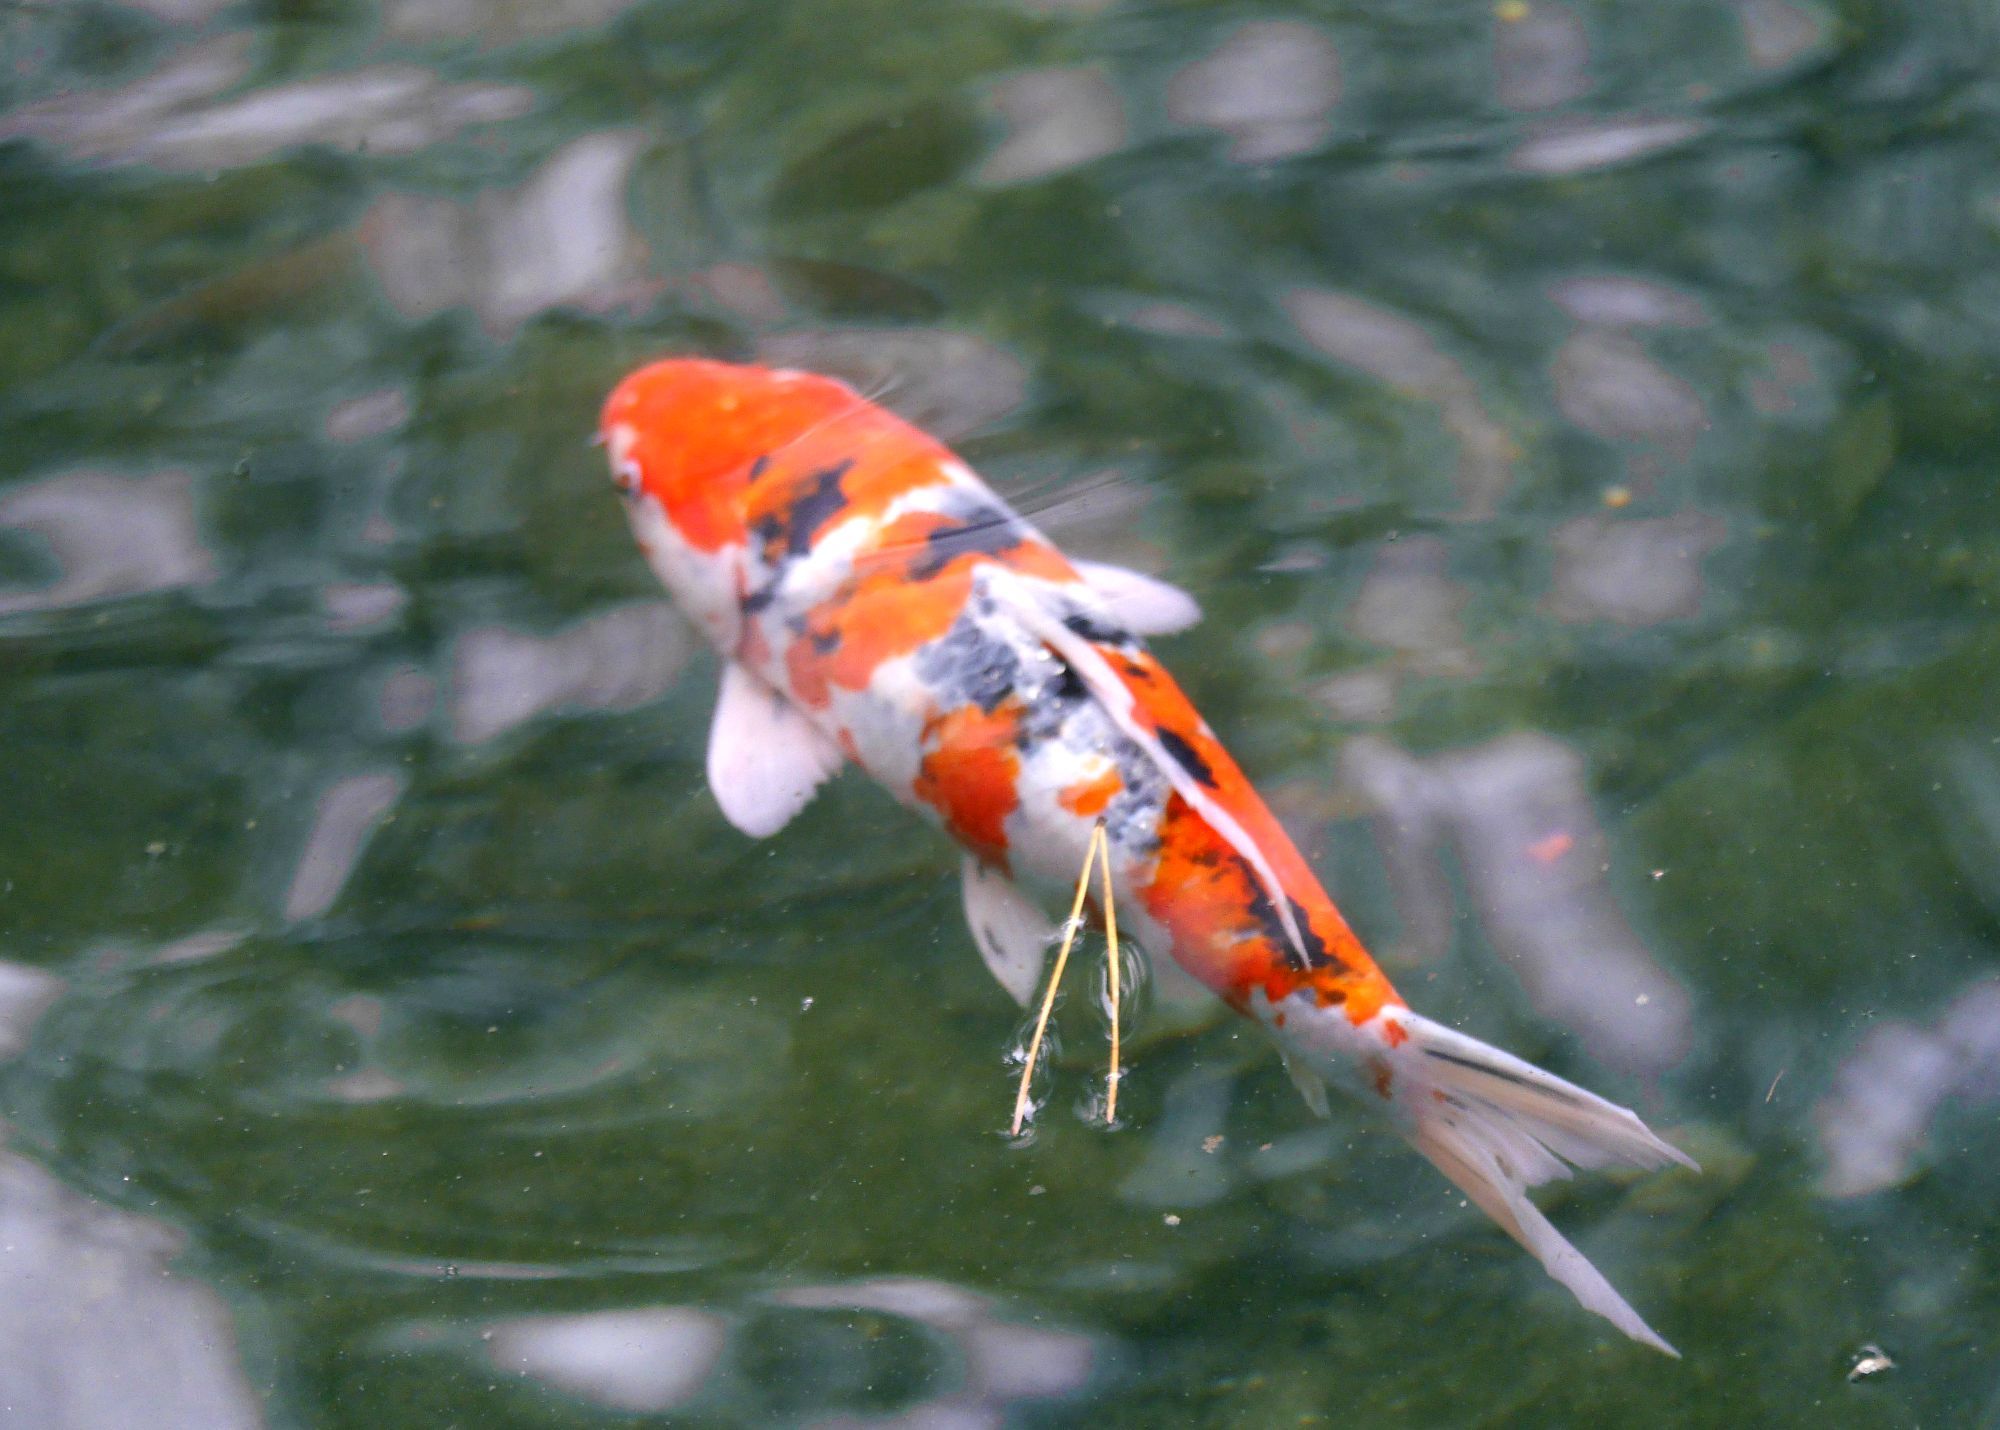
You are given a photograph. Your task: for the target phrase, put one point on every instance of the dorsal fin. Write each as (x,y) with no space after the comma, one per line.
(1143,603)
(1023,597)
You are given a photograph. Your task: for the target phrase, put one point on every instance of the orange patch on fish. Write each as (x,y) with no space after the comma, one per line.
(848,639)
(894,468)
(1088,797)
(1204,895)
(894,603)
(695,434)
(1163,707)
(968,775)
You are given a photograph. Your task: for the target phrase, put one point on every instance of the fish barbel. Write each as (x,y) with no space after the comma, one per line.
(875,602)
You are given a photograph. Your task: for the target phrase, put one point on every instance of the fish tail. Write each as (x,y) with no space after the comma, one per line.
(1496,1125)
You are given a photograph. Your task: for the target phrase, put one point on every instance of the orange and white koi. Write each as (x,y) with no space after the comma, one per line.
(874,601)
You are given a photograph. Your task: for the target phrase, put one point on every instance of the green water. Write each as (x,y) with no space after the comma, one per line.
(1583,413)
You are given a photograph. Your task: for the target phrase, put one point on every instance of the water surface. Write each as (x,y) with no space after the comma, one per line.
(1577,421)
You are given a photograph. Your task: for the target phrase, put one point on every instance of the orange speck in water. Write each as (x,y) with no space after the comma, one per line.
(1547,851)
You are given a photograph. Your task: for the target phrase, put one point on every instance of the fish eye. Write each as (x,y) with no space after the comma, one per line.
(625,471)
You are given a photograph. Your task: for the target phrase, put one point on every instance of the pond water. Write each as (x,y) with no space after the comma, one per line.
(1577,420)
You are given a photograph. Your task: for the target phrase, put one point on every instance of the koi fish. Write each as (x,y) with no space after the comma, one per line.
(875,602)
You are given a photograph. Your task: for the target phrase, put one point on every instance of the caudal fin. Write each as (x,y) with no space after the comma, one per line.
(1497,1125)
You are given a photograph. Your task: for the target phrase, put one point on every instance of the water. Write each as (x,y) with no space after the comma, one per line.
(1577,422)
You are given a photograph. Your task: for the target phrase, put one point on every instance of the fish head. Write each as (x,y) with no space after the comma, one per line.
(687,440)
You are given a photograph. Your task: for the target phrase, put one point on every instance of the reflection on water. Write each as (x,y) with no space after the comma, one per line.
(616,661)
(1402,354)
(176,117)
(898,1350)
(1541,57)
(346,814)
(643,1361)
(1607,385)
(1410,605)
(495,21)
(1517,813)
(1270,86)
(1875,1120)
(1616,301)
(1003,1360)
(949,383)
(95,1328)
(1782,33)
(1057,119)
(1577,427)
(110,536)
(560,238)
(25,994)
(1636,573)
(1580,145)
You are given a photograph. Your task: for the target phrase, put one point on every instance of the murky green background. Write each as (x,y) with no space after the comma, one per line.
(1578,420)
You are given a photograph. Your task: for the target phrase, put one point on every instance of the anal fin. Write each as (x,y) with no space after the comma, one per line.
(1306,1078)
(1013,935)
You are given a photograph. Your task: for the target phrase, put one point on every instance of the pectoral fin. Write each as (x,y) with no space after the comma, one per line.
(1143,604)
(765,759)
(1012,934)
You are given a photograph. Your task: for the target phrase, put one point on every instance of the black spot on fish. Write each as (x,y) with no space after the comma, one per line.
(1094,630)
(760,466)
(1052,708)
(968,665)
(758,599)
(1187,757)
(825,641)
(1500,1074)
(983,528)
(1316,953)
(1132,821)
(790,532)
(1266,915)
